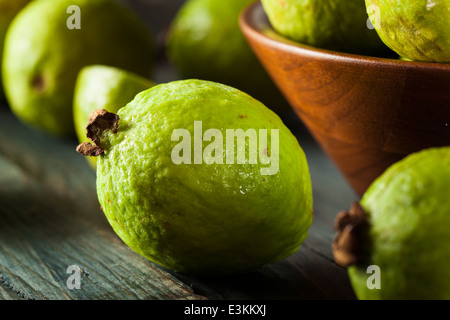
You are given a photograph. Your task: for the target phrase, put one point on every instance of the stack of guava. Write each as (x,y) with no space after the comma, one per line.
(414,29)
(84,67)
(198,175)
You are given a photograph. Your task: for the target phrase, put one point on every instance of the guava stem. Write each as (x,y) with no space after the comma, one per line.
(348,243)
(89,150)
(100,120)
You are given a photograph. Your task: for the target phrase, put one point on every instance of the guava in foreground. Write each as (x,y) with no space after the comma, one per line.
(401,227)
(214,217)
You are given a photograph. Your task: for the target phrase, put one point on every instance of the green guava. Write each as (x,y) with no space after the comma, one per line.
(44,51)
(415,29)
(8,10)
(205,42)
(109,88)
(401,227)
(179,182)
(339,25)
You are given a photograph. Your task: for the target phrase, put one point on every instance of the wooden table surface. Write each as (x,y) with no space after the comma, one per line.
(50,219)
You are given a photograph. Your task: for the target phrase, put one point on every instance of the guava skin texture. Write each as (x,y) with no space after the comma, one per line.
(105,87)
(205,42)
(206,219)
(42,56)
(339,25)
(8,10)
(408,238)
(415,29)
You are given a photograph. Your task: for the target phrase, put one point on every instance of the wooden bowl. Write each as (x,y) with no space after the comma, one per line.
(365,112)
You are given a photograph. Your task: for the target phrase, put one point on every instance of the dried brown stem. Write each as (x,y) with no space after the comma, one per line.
(99,121)
(89,150)
(348,243)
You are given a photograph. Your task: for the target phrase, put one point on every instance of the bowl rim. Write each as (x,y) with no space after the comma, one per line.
(253,29)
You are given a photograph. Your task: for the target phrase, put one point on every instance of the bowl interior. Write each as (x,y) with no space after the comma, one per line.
(366,112)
